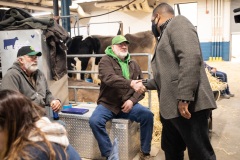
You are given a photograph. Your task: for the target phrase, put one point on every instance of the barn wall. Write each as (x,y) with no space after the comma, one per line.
(218,46)
(132,22)
(235,27)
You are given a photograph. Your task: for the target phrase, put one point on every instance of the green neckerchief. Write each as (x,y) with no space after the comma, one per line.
(123,64)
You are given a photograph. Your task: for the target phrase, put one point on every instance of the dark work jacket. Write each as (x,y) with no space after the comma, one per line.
(16,79)
(115,89)
(55,36)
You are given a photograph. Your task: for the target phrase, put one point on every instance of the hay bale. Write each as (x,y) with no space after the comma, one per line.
(157,126)
(215,83)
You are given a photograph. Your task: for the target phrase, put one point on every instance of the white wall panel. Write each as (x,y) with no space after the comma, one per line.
(140,21)
(132,22)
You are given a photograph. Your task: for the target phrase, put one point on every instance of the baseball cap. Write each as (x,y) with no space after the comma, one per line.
(28,50)
(119,39)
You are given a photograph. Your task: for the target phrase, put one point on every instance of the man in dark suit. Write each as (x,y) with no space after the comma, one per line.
(185,95)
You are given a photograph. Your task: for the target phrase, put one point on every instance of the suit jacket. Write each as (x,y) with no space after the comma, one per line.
(178,70)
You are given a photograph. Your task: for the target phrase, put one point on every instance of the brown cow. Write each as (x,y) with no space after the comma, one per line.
(83,95)
(141,42)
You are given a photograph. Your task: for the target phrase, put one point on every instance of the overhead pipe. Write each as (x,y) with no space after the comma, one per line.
(221,25)
(33,7)
(24,6)
(142,5)
(138,7)
(30,1)
(65,12)
(56,9)
(131,7)
(215,29)
(218,30)
(81,12)
(74,7)
(113,4)
(213,32)
(146,6)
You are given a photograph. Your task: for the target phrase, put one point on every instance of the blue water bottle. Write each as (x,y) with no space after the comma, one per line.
(55,115)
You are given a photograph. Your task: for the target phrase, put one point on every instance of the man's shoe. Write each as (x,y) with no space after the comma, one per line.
(231,95)
(226,96)
(145,156)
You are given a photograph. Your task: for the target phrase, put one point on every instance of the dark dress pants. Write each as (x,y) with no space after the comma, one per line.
(179,133)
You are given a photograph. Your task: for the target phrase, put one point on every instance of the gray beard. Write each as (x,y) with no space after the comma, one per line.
(122,55)
(31,68)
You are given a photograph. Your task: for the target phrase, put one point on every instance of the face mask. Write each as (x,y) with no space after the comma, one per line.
(154,30)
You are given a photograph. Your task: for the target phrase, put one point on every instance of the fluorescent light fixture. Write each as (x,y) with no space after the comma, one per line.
(4,8)
(83,1)
(37,14)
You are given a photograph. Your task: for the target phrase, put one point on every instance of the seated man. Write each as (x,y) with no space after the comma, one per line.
(223,77)
(117,98)
(25,77)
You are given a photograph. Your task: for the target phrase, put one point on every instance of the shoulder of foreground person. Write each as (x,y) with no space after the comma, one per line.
(42,152)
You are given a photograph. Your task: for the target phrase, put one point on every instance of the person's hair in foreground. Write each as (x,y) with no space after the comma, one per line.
(17,117)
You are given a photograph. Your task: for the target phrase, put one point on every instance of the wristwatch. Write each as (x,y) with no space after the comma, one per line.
(144,82)
(184,101)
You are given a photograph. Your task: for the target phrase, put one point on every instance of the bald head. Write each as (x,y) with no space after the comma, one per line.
(162,9)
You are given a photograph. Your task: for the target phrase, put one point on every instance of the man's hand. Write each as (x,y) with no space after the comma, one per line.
(183,109)
(138,86)
(56,105)
(127,106)
(214,70)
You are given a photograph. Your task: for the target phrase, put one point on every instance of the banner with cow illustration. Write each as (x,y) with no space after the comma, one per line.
(11,41)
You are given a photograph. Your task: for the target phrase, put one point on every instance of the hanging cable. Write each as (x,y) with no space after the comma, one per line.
(108,12)
(103,13)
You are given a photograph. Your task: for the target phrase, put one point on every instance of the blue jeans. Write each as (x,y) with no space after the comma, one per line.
(72,153)
(138,114)
(223,77)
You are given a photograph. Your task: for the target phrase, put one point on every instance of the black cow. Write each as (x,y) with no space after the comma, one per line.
(79,46)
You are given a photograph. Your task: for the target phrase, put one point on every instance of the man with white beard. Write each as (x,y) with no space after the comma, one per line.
(119,77)
(25,77)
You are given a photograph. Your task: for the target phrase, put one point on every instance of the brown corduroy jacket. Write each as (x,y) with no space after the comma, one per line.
(115,89)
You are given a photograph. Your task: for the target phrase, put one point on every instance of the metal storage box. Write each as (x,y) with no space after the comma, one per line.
(82,139)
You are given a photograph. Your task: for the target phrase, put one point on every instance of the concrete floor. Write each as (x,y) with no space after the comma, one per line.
(226,118)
